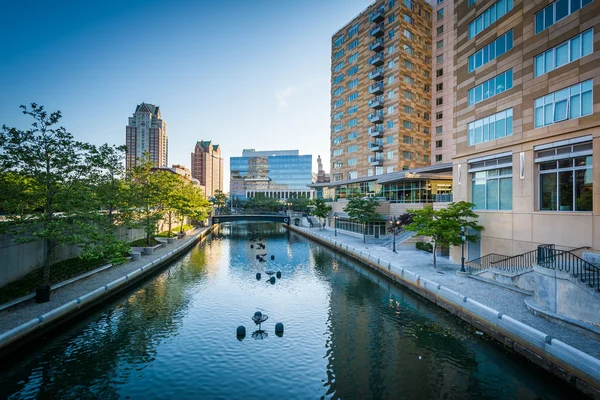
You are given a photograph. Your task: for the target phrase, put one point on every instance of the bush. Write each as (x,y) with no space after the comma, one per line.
(428,247)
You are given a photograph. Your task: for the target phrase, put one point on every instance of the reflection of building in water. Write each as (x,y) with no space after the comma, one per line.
(281,174)
(386,341)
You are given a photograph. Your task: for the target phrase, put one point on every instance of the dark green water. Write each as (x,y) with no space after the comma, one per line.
(348,334)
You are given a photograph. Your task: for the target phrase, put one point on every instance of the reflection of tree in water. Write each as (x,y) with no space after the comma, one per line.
(120,343)
(375,341)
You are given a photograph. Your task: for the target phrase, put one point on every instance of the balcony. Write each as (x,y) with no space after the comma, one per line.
(376,132)
(377,45)
(378,162)
(376,88)
(376,60)
(378,148)
(376,74)
(377,31)
(378,15)
(377,117)
(376,103)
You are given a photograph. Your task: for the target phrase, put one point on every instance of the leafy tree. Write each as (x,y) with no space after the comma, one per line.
(192,204)
(399,224)
(44,181)
(321,210)
(362,210)
(444,225)
(299,204)
(171,193)
(220,199)
(148,191)
(260,202)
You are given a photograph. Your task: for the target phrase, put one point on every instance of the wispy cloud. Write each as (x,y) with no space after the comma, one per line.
(282,96)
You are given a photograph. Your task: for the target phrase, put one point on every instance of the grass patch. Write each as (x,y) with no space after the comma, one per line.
(174,231)
(59,272)
(142,243)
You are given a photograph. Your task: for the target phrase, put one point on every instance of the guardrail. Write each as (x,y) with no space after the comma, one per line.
(565,260)
(483,263)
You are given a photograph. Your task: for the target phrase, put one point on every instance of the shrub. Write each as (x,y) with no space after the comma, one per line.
(428,247)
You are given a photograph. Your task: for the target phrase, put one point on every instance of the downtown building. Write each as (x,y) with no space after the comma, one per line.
(381,90)
(280,174)
(146,132)
(527,123)
(207,166)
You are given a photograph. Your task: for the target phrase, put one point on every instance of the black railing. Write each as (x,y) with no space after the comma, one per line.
(483,263)
(565,260)
(516,263)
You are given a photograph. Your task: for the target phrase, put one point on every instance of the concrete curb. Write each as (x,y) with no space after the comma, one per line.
(66,311)
(576,367)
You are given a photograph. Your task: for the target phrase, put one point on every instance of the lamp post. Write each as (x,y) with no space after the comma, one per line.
(394,225)
(462,254)
(335,218)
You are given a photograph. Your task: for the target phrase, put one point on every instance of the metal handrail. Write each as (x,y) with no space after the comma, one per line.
(518,262)
(564,260)
(484,262)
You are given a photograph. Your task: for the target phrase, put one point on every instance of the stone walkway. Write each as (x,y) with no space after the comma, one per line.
(28,310)
(506,301)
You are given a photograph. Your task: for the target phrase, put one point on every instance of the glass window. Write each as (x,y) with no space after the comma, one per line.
(569,103)
(492,189)
(557,11)
(489,16)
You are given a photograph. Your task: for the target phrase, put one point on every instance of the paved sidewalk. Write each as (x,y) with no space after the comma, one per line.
(506,301)
(28,310)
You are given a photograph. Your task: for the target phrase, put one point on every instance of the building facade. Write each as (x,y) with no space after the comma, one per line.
(381,90)
(207,166)
(146,132)
(281,174)
(443,82)
(527,122)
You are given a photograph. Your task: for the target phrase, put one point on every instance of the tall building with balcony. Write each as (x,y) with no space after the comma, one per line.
(443,82)
(280,174)
(207,166)
(528,122)
(146,132)
(381,91)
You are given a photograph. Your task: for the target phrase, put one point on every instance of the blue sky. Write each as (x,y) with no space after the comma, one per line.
(245,74)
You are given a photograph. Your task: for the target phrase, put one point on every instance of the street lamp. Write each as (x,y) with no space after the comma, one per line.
(394,225)
(335,218)
(462,254)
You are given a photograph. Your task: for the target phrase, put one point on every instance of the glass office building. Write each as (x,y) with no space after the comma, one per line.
(282,174)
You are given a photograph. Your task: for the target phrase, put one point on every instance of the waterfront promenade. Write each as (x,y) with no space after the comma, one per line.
(26,311)
(506,301)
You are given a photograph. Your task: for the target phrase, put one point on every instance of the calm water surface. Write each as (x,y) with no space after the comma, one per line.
(348,334)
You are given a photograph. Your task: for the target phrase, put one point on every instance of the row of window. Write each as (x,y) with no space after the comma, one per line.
(489,16)
(566,52)
(568,103)
(492,127)
(491,87)
(557,11)
(495,49)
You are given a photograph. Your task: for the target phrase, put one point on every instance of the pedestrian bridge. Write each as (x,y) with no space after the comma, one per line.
(273,217)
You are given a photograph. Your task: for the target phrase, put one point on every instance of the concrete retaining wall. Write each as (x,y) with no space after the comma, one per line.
(13,339)
(562,293)
(578,368)
(522,279)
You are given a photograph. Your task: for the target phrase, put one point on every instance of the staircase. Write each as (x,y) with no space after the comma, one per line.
(403,237)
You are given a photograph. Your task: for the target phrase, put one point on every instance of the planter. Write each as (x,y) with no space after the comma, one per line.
(42,294)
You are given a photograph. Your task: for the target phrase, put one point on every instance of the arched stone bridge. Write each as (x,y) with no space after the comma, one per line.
(283,218)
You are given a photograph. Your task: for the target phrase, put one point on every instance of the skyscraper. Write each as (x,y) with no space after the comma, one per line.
(146,132)
(207,166)
(381,91)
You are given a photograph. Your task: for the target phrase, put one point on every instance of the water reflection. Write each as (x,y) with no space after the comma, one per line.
(349,333)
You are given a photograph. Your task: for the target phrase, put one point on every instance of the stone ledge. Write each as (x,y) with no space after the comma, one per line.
(561,319)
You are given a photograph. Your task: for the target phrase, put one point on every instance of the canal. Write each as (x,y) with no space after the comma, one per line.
(349,334)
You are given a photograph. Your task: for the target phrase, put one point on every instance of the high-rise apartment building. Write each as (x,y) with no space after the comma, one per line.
(207,166)
(528,122)
(381,90)
(443,82)
(146,132)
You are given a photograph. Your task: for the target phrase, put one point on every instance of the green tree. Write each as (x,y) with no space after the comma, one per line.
(45,184)
(220,199)
(321,210)
(260,202)
(192,204)
(444,225)
(299,204)
(148,191)
(362,210)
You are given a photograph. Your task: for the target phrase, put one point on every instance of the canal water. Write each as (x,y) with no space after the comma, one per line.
(348,334)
